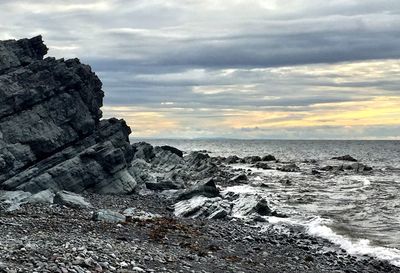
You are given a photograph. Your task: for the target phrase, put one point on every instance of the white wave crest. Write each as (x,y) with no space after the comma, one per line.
(318,228)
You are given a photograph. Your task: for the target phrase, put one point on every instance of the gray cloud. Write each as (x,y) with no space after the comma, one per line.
(242,55)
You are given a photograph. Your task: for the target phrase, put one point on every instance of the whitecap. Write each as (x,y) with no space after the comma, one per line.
(318,228)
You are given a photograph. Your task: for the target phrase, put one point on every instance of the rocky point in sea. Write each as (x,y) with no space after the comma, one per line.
(76,196)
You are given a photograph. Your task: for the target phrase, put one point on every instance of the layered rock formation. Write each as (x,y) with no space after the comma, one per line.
(51,135)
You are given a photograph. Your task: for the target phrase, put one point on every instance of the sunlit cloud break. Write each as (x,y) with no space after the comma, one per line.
(236,69)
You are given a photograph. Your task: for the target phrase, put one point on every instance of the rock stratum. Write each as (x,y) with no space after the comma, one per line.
(51,132)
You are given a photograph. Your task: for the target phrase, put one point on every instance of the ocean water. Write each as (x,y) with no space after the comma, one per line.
(360,212)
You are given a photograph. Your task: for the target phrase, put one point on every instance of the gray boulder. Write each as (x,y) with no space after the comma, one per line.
(12,200)
(240,178)
(71,200)
(232,159)
(172,150)
(203,207)
(358,167)
(110,216)
(268,158)
(43,197)
(251,159)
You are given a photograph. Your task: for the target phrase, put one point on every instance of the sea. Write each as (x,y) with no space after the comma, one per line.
(359,212)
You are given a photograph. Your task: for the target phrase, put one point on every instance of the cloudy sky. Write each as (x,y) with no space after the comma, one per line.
(293,69)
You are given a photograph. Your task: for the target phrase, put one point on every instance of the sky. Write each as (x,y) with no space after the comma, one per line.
(272,69)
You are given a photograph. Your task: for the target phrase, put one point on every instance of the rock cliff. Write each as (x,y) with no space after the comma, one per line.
(51,132)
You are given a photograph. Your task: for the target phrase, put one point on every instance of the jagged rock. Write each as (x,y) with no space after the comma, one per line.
(143,151)
(232,159)
(240,178)
(345,158)
(268,158)
(51,136)
(43,197)
(71,200)
(168,171)
(172,150)
(205,188)
(203,207)
(262,208)
(14,199)
(252,159)
(110,216)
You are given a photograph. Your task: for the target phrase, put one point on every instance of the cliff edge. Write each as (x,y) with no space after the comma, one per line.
(51,132)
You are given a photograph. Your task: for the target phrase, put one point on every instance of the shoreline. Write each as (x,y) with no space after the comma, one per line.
(59,239)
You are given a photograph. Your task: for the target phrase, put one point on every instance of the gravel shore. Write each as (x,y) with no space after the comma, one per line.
(44,238)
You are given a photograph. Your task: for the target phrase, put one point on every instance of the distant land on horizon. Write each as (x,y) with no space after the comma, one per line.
(251,139)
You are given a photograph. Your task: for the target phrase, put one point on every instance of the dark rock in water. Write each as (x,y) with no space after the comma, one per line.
(206,188)
(252,159)
(262,208)
(289,168)
(232,159)
(172,150)
(51,136)
(194,158)
(345,158)
(358,167)
(262,165)
(240,178)
(315,172)
(218,159)
(268,158)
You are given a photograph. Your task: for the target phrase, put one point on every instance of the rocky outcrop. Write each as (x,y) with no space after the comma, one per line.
(51,135)
(163,168)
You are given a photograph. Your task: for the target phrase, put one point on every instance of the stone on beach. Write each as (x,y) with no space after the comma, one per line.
(70,199)
(110,216)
